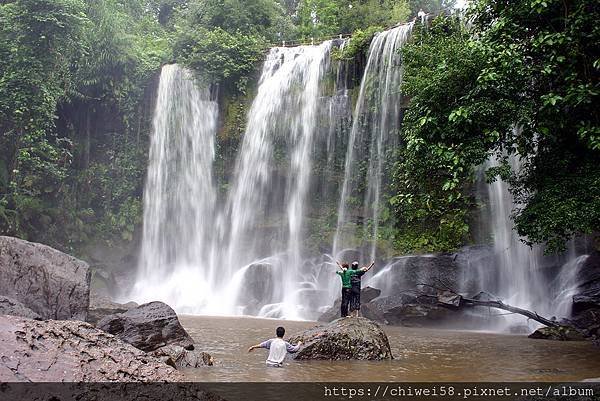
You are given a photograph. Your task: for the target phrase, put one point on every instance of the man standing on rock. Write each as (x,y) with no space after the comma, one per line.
(278,348)
(345,274)
(356,287)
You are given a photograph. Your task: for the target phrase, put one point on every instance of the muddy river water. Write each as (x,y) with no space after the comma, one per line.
(419,355)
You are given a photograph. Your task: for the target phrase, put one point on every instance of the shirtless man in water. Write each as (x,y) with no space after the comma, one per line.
(278,348)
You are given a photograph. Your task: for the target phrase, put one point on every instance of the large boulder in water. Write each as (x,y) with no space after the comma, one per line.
(342,339)
(11,307)
(49,282)
(463,271)
(367,294)
(71,351)
(258,284)
(148,327)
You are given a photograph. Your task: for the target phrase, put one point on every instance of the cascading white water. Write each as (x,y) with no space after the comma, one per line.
(376,122)
(245,257)
(517,263)
(523,276)
(248,254)
(180,196)
(282,117)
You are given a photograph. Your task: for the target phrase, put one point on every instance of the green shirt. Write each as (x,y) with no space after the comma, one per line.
(346,275)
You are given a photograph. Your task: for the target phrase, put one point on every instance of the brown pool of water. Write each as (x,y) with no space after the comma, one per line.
(419,355)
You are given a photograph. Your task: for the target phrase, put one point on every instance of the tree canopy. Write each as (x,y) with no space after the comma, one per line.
(514,79)
(522,82)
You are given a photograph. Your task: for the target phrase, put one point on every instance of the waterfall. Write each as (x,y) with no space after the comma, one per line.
(248,250)
(244,254)
(522,275)
(376,121)
(180,195)
(273,173)
(517,263)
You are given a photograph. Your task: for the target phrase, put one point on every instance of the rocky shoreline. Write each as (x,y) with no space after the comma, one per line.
(45,303)
(44,336)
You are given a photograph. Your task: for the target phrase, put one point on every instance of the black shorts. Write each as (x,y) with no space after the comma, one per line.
(355,299)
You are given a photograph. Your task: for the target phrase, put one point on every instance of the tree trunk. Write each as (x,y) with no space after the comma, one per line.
(501,305)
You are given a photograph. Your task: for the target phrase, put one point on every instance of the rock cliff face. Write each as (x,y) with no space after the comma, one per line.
(346,338)
(11,307)
(586,300)
(148,327)
(54,351)
(50,283)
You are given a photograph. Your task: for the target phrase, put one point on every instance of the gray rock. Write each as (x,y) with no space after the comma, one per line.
(101,305)
(587,322)
(367,294)
(411,311)
(148,327)
(54,351)
(342,339)
(259,284)
(560,333)
(371,311)
(332,313)
(11,307)
(407,273)
(49,282)
(180,358)
(588,293)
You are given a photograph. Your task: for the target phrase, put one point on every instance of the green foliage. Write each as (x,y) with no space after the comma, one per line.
(326,18)
(66,65)
(358,44)
(265,18)
(433,177)
(546,51)
(434,7)
(38,44)
(221,57)
(224,40)
(531,66)
(112,189)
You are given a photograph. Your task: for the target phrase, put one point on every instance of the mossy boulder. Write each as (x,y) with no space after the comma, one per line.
(343,339)
(560,333)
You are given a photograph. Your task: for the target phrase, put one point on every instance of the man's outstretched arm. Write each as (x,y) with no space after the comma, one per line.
(293,348)
(264,344)
(367,268)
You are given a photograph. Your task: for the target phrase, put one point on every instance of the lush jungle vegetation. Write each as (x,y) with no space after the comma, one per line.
(77,78)
(522,81)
